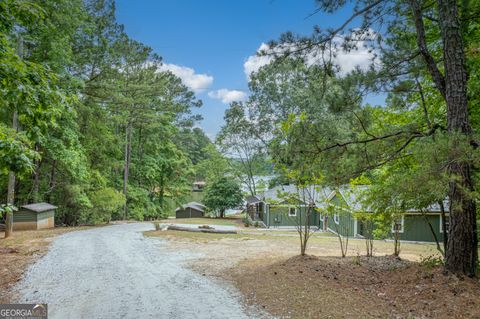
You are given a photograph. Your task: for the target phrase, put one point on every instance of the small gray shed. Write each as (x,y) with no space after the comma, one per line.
(190,210)
(34,216)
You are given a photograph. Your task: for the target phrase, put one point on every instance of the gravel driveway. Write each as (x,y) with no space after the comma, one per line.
(115,272)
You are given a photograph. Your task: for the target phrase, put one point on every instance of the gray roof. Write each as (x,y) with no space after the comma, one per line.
(193,205)
(39,207)
(252,199)
(311,194)
(320,195)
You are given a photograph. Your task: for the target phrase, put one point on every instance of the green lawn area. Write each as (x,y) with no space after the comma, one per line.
(203,221)
(326,241)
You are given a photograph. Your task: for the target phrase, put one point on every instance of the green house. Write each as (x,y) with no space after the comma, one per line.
(332,212)
(34,216)
(287,206)
(412,225)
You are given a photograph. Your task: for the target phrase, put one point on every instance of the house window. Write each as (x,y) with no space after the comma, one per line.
(398,225)
(447,223)
(336,218)
(292,212)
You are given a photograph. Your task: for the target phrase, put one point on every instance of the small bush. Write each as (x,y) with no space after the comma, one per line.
(247,222)
(105,202)
(256,224)
(356,260)
(431,261)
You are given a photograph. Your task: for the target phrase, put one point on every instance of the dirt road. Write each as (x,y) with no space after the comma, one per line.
(115,272)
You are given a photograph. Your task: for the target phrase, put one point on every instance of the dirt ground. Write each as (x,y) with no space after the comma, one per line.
(266,268)
(19,251)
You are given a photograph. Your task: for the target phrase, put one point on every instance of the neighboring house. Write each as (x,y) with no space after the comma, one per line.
(34,216)
(198,186)
(190,210)
(274,211)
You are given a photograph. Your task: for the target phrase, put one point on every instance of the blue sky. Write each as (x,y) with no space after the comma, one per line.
(210,43)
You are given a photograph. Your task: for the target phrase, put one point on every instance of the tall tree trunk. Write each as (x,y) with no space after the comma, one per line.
(11,174)
(128,139)
(11,187)
(444,226)
(462,247)
(36,178)
(51,184)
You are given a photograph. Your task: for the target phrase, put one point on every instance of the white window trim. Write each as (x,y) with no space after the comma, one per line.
(441,222)
(402,223)
(336,218)
(290,209)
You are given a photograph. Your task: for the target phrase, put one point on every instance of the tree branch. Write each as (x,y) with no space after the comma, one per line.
(432,67)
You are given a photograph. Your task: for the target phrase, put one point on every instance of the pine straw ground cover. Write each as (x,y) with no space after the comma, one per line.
(19,251)
(266,268)
(355,287)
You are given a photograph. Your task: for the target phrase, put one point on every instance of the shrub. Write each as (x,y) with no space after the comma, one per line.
(105,202)
(75,206)
(431,261)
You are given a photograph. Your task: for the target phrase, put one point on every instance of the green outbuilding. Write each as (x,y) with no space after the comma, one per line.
(190,210)
(34,216)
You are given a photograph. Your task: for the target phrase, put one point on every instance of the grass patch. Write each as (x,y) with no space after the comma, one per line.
(194,236)
(324,244)
(203,221)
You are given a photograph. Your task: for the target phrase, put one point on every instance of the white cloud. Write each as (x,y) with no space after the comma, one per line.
(228,96)
(255,62)
(194,81)
(347,61)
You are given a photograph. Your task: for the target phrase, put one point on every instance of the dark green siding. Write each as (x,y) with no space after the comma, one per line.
(24,215)
(188,213)
(346,225)
(416,228)
(278,216)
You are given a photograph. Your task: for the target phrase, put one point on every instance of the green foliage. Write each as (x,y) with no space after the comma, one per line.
(431,261)
(238,139)
(246,221)
(75,207)
(90,103)
(7,208)
(222,194)
(16,153)
(141,206)
(193,142)
(213,167)
(105,202)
